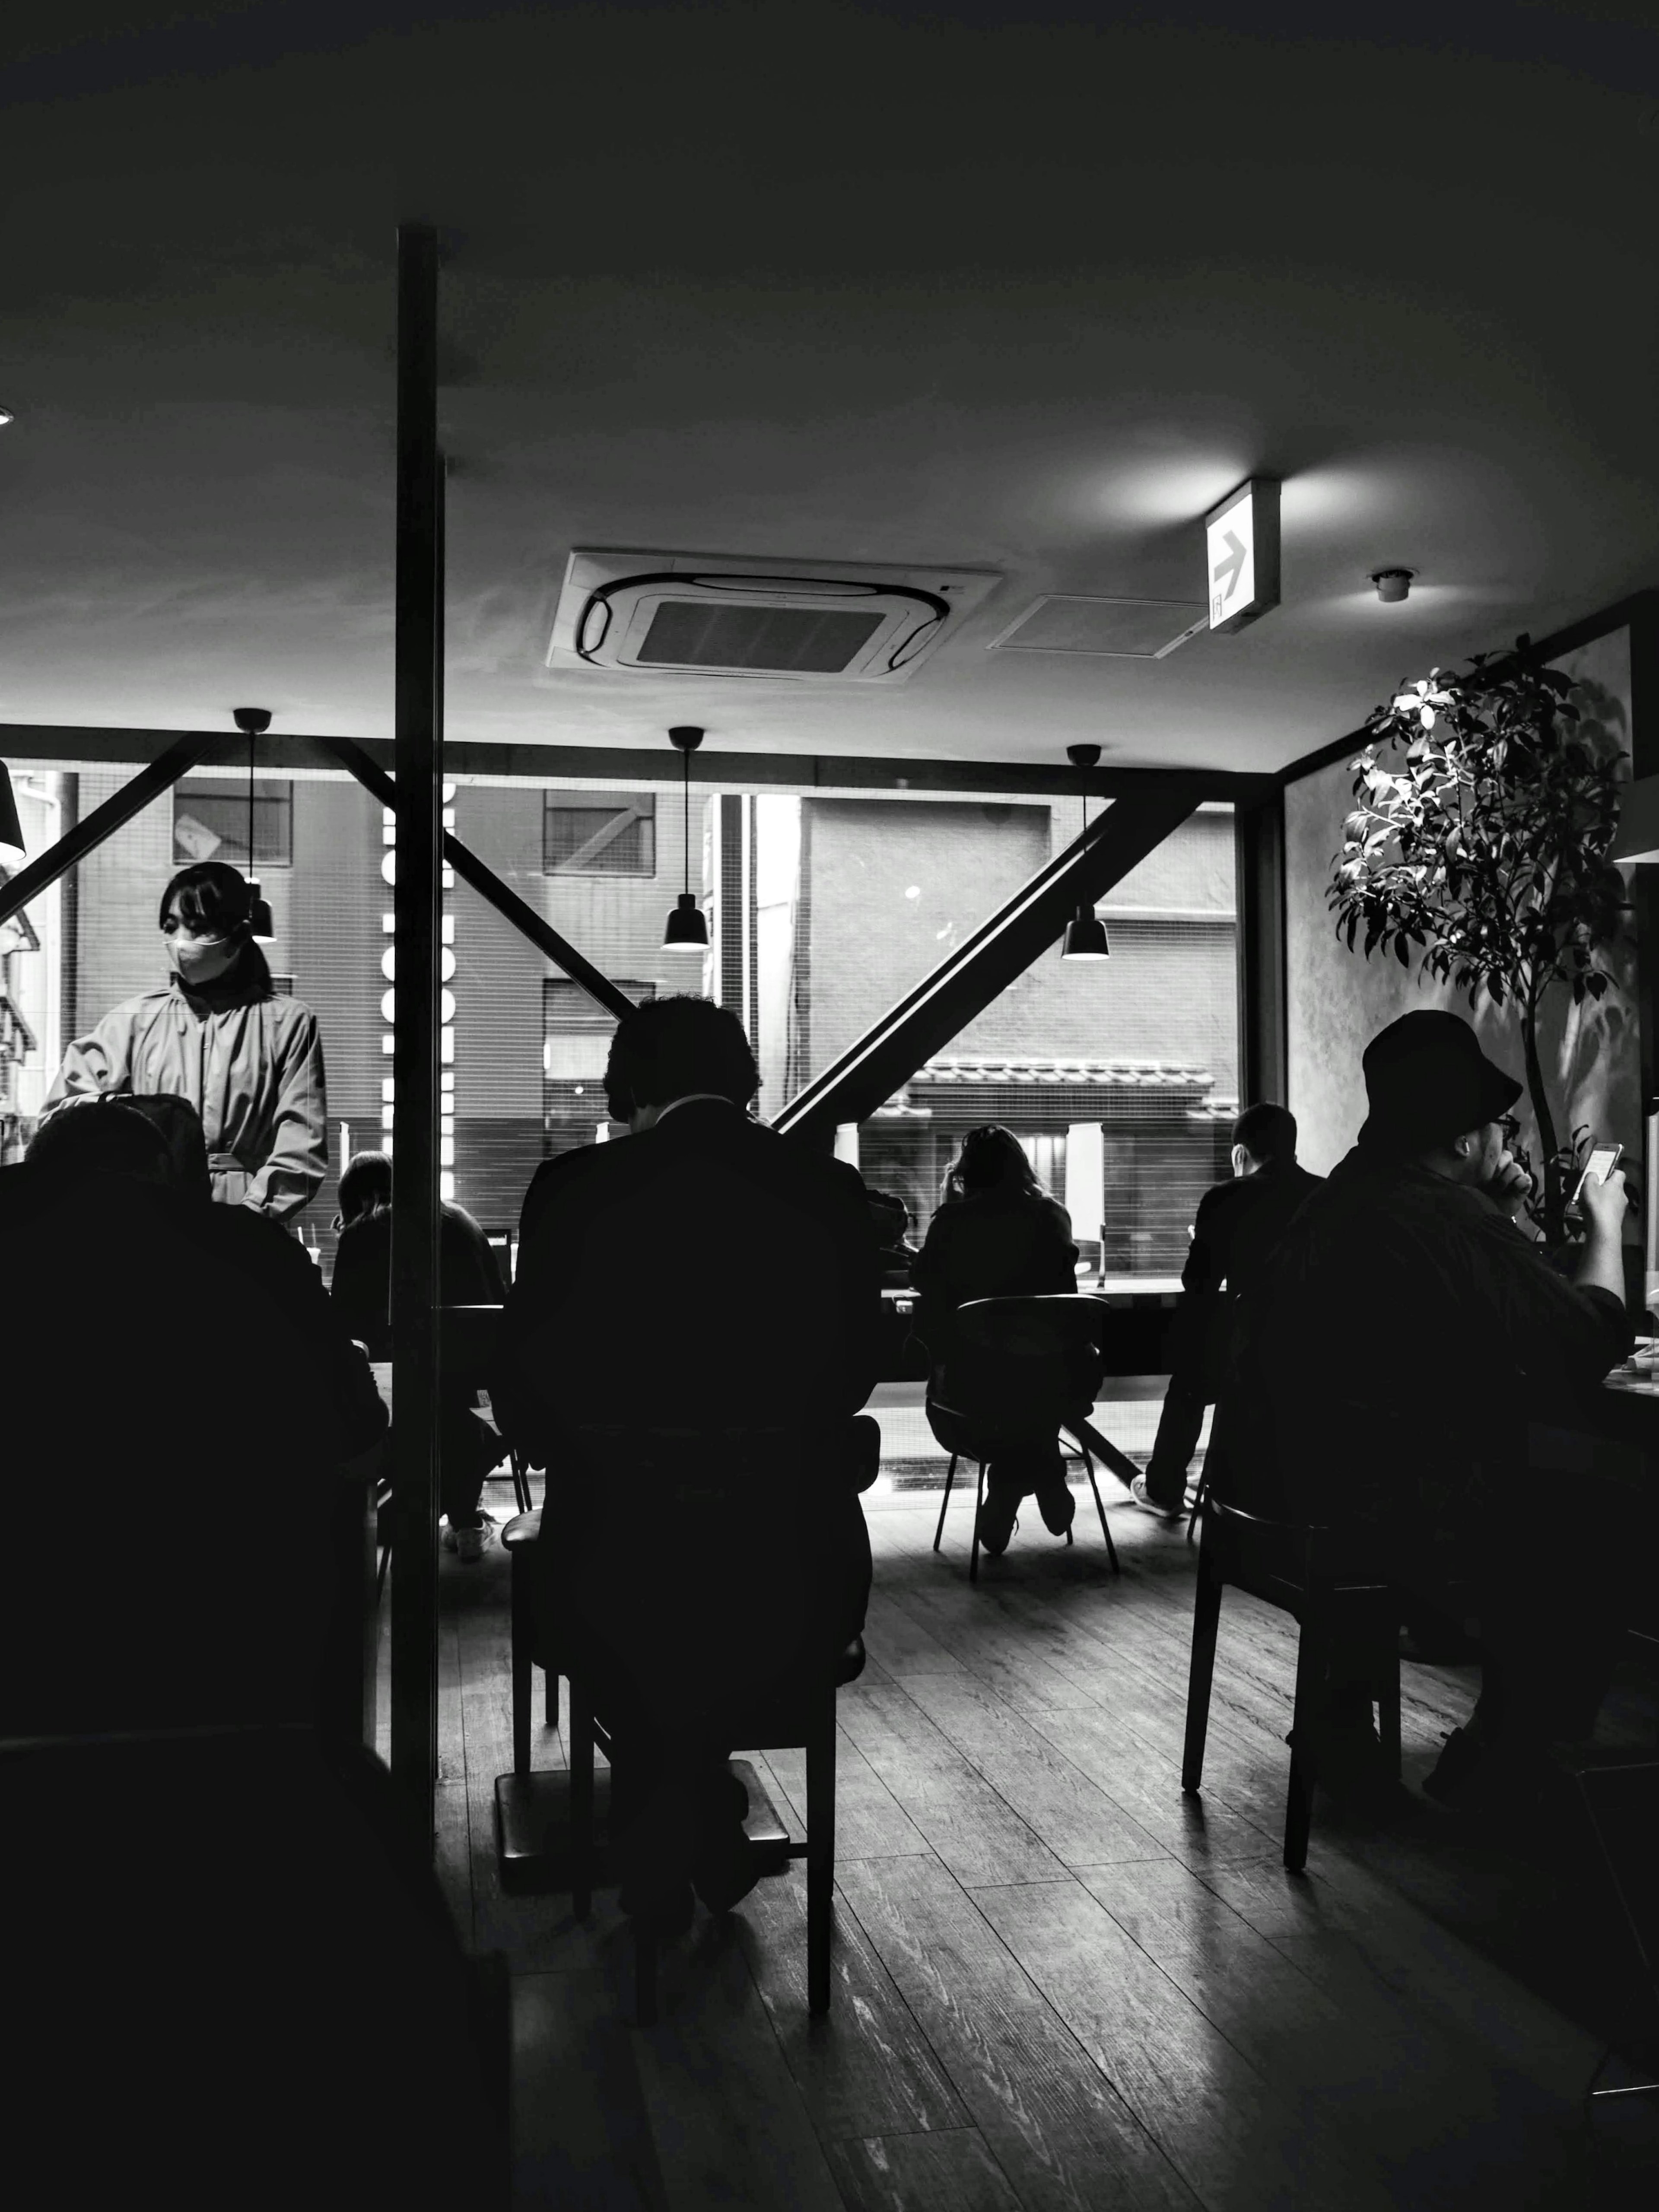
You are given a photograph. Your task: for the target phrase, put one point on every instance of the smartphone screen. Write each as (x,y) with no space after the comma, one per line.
(1600,1164)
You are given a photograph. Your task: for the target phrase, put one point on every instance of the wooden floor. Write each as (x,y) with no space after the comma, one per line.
(1058,1984)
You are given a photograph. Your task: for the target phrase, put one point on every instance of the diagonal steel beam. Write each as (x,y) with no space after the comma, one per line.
(888,1055)
(103,822)
(488,885)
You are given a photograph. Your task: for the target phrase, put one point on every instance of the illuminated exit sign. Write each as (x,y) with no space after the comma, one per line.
(1240,556)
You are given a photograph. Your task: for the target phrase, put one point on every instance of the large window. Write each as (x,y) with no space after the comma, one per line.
(209,821)
(607,834)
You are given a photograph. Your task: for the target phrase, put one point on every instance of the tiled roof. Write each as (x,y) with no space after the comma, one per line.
(1114,1074)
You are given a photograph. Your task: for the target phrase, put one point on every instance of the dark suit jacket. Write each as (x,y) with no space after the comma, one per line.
(1239,1225)
(641,1303)
(641,1295)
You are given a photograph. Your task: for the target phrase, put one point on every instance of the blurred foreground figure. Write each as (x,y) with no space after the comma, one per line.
(280,2002)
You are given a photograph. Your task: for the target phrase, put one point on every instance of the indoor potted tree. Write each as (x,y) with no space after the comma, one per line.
(1485,846)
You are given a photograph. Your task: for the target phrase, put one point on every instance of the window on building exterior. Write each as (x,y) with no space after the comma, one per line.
(576,1033)
(209,821)
(607,834)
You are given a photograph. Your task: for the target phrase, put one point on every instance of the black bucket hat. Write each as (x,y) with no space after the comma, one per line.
(1427,1081)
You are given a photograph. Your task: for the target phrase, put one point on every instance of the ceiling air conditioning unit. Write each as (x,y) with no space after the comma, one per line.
(803,622)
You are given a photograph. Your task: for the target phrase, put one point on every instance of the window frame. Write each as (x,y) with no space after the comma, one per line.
(614,811)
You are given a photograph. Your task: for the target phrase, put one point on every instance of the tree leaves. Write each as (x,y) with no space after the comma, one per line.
(1484,814)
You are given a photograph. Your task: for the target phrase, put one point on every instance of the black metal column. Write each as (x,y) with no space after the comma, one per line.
(418,732)
(1259,896)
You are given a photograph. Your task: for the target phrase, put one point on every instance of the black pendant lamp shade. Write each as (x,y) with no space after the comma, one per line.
(1086,933)
(11,829)
(688,925)
(254,721)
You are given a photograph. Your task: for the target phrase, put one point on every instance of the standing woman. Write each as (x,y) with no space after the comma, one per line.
(249,1061)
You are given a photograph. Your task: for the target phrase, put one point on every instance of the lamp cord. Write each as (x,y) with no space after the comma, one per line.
(685,821)
(249,804)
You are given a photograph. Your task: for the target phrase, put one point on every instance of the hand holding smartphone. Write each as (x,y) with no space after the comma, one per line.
(1603,1159)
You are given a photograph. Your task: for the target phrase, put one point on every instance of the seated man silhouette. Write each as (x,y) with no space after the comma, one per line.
(1404,1333)
(1238,1225)
(702,1548)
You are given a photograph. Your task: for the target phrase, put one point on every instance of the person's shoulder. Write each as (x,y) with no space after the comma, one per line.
(461,1219)
(292,1017)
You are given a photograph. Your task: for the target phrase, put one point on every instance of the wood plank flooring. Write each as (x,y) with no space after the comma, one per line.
(1060,1985)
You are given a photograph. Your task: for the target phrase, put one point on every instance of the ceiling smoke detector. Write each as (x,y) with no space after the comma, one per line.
(711,614)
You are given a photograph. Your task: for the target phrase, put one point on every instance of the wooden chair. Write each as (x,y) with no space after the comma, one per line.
(809,1723)
(1014,1386)
(1340,1614)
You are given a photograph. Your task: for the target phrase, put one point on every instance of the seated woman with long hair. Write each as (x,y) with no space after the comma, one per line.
(467,1276)
(997,1234)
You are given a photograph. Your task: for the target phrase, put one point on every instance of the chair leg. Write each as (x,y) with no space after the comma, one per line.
(550,1698)
(521,1481)
(950,1477)
(820,1853)
(1310,1658)
(1207,1627)
(581,1799)
(521,1685)
(1111,1548)
(1198,1503)
(979,1500)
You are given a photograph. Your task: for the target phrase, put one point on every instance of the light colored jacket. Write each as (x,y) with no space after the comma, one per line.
(252,1071)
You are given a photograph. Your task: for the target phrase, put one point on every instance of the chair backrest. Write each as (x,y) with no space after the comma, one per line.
(1035,1327)
(1023,1363)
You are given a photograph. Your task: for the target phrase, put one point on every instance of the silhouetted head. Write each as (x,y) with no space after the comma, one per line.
(101,1136)
(670,1047)
(365,1188)
(207,920)
(1266,1136)
(179,1128)
(991,1158)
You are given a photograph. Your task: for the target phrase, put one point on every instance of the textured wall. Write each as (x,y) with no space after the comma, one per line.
(1338,1000)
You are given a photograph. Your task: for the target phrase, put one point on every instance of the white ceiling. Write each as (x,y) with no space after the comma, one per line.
(802,280)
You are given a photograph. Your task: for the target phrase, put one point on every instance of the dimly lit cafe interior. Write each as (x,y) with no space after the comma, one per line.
(829,1105)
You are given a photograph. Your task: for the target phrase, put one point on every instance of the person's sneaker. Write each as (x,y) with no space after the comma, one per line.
(997,1523)
(1057,1506)
(1154,1505)
(470,1545)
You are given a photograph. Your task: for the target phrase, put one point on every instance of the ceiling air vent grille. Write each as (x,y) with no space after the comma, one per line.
(1127,629)
(717,615)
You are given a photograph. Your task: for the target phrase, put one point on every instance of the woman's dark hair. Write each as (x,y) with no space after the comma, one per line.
(212,894)
(365,1188)
(991,1158)
(670,1046)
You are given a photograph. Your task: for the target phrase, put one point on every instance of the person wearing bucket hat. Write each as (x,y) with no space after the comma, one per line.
(1407,1330)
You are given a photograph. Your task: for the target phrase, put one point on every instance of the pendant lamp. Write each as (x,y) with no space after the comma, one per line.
(254,721)
(1086,933)
(11,829)
(688,925)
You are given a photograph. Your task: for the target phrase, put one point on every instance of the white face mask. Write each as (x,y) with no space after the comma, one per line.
(199,959)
